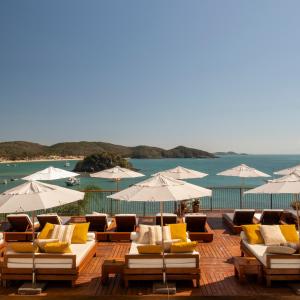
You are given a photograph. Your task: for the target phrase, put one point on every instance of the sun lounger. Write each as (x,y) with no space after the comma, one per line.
(168,218)
(239,217)
(124,225)
(99,223)
(275,266)
(198,228)
(289,216)
(48,218)
(180,266)
(49,266)
(269,216)
(20,222)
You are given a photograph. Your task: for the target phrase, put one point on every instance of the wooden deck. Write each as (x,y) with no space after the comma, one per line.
(217,275)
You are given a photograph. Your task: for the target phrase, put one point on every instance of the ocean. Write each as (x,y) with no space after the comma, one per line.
(223,197)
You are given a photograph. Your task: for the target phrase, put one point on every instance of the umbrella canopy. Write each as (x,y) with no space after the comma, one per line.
(243,171)
(34,195)
(182,173)
(50,173)
(117,173)
(288,170)
(289,184)
(161,188)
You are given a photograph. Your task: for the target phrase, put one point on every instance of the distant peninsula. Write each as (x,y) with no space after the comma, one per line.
(21,150)
(229,153)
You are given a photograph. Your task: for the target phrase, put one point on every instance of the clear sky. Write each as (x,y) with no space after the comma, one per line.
(215,75)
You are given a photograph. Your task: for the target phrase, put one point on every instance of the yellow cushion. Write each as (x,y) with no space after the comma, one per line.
(42,242)
(290,233)
(24,247)
(57,247)
(149,249)
(178,231)
(47,231)
(253,234)
(183,247)
(80,233)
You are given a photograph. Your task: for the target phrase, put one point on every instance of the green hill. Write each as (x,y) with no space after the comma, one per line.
(26,150)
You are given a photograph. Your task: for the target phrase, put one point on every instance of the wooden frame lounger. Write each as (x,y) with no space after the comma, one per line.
(239,217)
(20,222)
(67,271)
(173,273)
(198,228)
(168,218)
(269,217)
(48,218)
(273,269)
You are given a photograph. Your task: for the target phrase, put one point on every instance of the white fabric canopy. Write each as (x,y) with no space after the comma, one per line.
(288,170)
(243,171)
(289,184)
(161,188)
(50,173)
(117,173)
(182,173)
(34,195)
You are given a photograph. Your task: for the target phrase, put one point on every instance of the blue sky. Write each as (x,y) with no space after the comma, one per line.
(215,75)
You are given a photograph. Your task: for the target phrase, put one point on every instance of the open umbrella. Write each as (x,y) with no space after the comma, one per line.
(288,170)
(117,173)
(182,173)
(243,171)
(289,184)
(32,196)
(50,173)
(160,188)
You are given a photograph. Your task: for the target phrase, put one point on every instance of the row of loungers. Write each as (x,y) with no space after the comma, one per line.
(241,217)
(107,229)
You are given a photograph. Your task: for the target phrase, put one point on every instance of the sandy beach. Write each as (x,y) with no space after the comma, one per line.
(5,161)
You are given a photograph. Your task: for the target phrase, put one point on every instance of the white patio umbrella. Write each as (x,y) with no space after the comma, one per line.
(117,173)
(50,173)
(182,173)
(243,171)
(289,184)
(32,196)
(288,170)
(160,188)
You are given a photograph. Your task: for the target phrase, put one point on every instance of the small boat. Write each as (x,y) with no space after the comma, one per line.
(4,181)
(67,164)
(72,181)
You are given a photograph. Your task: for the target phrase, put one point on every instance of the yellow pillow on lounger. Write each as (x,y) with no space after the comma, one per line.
(178,231)
(183,247)
(253,234)
(24,247)
(57,247)
(42,242)
(47,231)
(80,233)
(290,233)
(149,249)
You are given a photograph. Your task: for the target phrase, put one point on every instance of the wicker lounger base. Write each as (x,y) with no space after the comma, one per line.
(56,274)
(275,274)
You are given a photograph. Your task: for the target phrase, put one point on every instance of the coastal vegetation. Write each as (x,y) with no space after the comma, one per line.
(20,150)
(101,161)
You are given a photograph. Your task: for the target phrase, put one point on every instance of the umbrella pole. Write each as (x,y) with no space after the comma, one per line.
(162,241)
(33,254)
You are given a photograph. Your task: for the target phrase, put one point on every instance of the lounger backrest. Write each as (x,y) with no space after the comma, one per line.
(243,217)
(98,223)
(125,223)
(19,223)
(44,219)
(195,223)
(167,219)
(271,217)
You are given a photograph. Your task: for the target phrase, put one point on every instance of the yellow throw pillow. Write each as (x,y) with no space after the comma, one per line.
(183,247)
(178,231)
(149,249)
(80,233)
(24,247)
(57,247)
(290,233)
(253,234)
(46,232)
(42,242)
